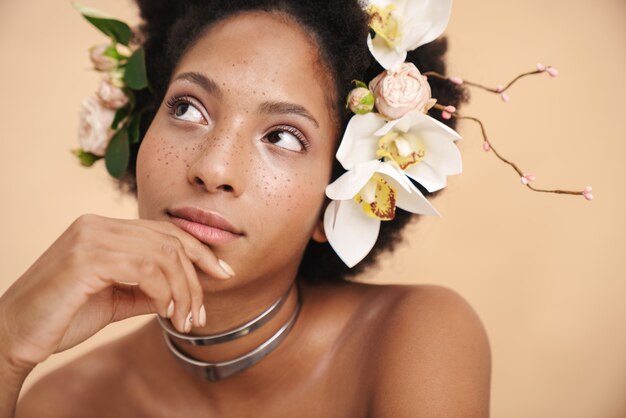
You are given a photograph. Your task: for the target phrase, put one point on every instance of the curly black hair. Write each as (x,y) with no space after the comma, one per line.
(340,29)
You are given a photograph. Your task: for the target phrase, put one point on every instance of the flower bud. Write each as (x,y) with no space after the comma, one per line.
(101,56)
(110,94)
(361,100)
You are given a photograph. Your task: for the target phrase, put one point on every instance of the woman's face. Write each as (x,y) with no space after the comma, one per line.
(246,134)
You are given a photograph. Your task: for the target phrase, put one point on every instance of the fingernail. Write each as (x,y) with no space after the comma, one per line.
(202,318)
(170,309)
(188,322)
(227,269)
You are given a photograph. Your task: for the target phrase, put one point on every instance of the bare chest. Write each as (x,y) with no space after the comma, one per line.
(330,388)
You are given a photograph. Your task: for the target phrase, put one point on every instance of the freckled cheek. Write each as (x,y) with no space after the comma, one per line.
(293,195)
(160,162)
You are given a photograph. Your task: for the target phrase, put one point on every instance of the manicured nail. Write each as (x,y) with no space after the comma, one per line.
(188,322)
(202,318)
(170,309)
(227,269)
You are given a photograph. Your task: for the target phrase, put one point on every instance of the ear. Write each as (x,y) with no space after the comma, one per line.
(318,234)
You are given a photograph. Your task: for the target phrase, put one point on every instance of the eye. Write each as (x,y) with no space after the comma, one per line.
(288,138)
(184,108)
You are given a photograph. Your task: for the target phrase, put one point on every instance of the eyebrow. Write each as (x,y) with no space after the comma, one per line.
(203,81)
(281,108)
(284,108)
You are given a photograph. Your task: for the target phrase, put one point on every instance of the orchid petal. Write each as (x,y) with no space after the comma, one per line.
(414,201)
(434,125)
(350,232)
(350,183)
(442,154)
(427,176)
(414,33)
(386,57)
(408,197)
(436,12)
(392,170)
(359,143)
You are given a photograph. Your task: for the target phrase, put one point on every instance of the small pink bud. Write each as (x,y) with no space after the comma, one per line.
(499,88)
(588,196)
(450,109)
(445,115)
(456,80)
(541,67)
(552,71)
(587,189)
(527,178)
(505,97)
(486,146)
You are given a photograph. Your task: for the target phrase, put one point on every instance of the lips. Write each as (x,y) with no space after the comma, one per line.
(208,227)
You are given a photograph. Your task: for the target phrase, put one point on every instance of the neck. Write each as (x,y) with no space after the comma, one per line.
(228,309)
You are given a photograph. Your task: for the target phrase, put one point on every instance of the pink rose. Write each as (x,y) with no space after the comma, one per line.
(401,90)
(111,96)
(94,129)
(101,61)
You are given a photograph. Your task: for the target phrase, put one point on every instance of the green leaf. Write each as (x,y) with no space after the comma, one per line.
(120,114)
(85,158)
(135,75)
(359,83)
(133,129)
(113,28)
(112,52)
(118,153)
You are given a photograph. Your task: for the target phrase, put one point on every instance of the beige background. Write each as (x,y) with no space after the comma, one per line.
(546,273)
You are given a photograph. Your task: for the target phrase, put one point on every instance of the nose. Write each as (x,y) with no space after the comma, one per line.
(218,165)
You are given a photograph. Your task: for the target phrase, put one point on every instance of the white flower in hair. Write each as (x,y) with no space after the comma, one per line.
(362,198)
(404,25)
(420,145)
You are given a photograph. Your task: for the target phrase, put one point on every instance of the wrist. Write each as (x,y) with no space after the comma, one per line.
(11,369)
(12,377)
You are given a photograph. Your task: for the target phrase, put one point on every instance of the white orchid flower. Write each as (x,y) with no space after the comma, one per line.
(420,145)
(404,25)
(362,198)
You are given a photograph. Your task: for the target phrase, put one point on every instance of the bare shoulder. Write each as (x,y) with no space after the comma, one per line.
(73,390)
(433,358)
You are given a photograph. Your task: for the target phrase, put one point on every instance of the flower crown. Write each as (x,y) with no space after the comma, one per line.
(109,121)
(390,144)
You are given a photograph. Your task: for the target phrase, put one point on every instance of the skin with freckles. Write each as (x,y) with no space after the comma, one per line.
(245,132)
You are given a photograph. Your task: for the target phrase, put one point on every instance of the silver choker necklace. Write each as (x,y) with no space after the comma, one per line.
(232,334)
(221,370)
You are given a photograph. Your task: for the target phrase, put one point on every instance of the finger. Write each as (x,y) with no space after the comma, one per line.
(121,266)
(198,253)
(195,288)
(168,252)
(129,301)
(156,268)
(188,296)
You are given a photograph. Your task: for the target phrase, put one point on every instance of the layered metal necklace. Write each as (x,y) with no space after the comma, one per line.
(221,370)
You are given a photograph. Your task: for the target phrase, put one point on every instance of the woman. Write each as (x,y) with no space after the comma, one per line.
(235,156)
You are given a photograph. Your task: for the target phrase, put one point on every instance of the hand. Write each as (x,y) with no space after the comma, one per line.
(73,290)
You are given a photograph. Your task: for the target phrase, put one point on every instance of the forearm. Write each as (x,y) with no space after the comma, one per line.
(11,381)
(12,376)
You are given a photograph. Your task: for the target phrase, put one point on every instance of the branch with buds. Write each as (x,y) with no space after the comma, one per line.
(500,89)
(448,112)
